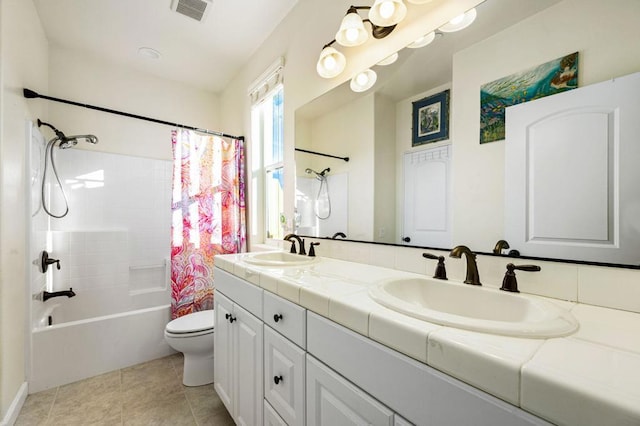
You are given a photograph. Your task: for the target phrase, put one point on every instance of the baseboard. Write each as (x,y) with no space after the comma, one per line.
(14,409)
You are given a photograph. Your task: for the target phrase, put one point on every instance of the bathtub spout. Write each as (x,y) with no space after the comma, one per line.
(48,295)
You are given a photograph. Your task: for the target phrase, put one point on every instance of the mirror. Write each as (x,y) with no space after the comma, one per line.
(365,196)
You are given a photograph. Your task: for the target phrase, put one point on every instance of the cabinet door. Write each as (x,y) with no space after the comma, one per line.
(248,369)
(223,351)
(271,418)
(284,377)
(331,400)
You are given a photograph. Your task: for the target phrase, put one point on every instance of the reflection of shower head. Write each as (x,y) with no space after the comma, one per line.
(318,174)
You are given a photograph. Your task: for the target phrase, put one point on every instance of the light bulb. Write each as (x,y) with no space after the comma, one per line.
(362,79)
(351,34)
(386,9)
(329,62)
(457,19)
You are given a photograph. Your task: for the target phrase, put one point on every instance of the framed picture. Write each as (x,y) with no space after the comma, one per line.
(431,119)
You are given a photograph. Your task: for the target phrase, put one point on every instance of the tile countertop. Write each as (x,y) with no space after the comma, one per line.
(591,377)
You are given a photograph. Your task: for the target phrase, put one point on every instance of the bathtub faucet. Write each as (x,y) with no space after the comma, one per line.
(48,295)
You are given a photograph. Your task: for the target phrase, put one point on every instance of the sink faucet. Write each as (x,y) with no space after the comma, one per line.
(500,245)
(301,250)
(509,283)
(472,277)
(441,271)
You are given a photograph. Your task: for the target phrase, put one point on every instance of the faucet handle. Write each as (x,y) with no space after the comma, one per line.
(441,271)
(510,283)
(293,247)
(312,250)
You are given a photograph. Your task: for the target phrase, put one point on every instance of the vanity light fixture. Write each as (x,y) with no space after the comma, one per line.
(363,81)
(460,22)
(352,31)
(389,59)
(423,41)
(386,13)
(331,62)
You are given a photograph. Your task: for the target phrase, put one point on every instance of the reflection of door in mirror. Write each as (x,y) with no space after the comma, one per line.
(427,197)
(572,162)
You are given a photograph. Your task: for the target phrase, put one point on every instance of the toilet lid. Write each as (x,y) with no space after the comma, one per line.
(191,323)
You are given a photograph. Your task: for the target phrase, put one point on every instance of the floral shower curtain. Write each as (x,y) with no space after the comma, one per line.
(208,214)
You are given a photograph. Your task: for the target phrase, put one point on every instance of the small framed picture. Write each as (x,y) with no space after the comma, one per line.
(431,119)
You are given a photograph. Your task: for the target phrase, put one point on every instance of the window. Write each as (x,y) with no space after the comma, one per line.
(267,166)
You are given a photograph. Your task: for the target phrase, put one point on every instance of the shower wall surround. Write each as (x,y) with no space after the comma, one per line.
(114,244)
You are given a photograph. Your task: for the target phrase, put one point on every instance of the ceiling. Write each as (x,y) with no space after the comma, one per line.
(205,55)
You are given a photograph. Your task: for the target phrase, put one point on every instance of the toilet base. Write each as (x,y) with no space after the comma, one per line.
(198,371)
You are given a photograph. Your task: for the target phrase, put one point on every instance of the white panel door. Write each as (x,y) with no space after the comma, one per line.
(331,400)
(271,418)
(223,351)
(248,368)
(427,197)
(571,174)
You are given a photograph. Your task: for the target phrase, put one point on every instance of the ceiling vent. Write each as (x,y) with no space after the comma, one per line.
(194,9)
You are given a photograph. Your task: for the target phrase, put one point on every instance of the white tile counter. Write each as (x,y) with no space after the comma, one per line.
(591,377)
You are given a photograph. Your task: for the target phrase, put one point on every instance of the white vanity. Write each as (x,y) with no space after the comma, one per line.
(306,344)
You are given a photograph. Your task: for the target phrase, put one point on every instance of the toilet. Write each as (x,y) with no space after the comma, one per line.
(192,335)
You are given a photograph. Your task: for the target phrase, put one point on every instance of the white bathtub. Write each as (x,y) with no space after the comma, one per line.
(71,351)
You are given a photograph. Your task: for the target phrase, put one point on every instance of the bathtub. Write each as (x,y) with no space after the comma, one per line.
(75,350)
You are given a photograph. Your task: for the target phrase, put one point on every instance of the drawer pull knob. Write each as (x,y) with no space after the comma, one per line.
(277,379)
(229,317)
(277,317)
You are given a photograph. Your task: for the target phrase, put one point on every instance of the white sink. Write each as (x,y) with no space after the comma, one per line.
(475,308)
(279,259)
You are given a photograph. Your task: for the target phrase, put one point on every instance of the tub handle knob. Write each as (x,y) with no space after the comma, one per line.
(277,317)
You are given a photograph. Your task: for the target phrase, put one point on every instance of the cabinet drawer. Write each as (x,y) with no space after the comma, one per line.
(240,291)
(284,374)
(271,418)
(331,400)
(286,318)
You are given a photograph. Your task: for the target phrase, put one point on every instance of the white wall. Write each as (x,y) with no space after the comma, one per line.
(24,63)
(591,27)
(86,79)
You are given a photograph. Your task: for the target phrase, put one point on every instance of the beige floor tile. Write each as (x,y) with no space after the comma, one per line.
(36,408)
(147,394)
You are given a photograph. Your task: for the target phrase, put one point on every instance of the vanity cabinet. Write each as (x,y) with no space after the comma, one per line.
(238,350)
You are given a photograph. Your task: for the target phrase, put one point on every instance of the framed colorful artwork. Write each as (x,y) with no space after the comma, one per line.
(431,119)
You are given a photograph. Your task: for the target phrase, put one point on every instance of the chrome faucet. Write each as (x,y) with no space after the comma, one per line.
(472,277)
(301,250)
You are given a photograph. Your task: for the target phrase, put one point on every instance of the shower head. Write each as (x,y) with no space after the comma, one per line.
(68,141)
(318,174)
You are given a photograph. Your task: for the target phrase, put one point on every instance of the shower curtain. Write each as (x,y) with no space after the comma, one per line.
(208,214)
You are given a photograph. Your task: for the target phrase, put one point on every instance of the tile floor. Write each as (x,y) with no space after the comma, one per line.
(145,394)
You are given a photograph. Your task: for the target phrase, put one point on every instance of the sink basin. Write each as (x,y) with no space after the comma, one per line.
(279,259)
(475,308)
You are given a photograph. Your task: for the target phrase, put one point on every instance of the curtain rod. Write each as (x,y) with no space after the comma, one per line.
(324,155)
(30,94)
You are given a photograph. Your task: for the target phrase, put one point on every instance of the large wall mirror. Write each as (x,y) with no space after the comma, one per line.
(387,190)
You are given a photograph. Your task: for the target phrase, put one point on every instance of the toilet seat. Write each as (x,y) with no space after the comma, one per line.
(195,324)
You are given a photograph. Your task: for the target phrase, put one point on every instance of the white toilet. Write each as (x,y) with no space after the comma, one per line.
(192,335)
